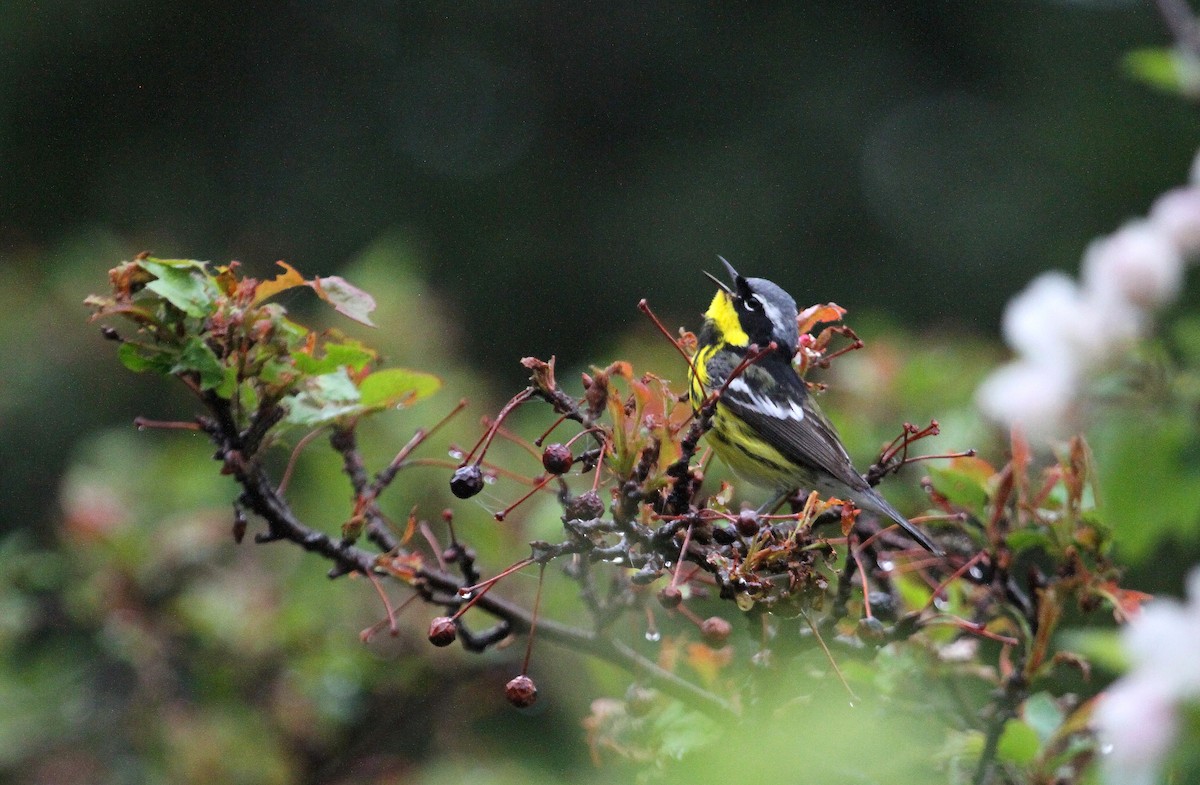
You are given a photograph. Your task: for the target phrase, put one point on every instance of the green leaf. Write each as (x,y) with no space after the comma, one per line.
(1165,68)
(140,359)
(278,371)
(323,399)
(1028,539)
(345,298)
(350,354)
(397,387)
(229,382)
(198,357)
(1018,743)
(963,482)
(184,284)
(1043,714)
(1149,478)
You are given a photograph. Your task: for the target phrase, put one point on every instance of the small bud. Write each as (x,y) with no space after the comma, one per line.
(747,523)
(715,631)
(110,333)
(467,481)
(521,692)
(557,459)
(669,597)
(871,630)
(442,631)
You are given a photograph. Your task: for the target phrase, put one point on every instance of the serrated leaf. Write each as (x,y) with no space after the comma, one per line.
(184,284)
(964,485)
(323,399)
(278,371)
(822,313)
(199,358)
(395,387)
(288,279)
(350,354)
(345,298)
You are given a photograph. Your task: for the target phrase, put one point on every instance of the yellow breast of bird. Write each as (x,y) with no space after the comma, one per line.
(746,453)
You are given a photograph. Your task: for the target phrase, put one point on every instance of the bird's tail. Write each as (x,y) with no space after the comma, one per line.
(869,499)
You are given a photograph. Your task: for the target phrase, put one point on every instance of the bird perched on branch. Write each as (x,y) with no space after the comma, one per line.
(766,427)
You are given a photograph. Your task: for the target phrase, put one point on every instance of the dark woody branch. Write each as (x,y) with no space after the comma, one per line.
(261,496)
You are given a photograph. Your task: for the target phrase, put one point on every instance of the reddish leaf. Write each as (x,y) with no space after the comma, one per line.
(288,279)
(819,314)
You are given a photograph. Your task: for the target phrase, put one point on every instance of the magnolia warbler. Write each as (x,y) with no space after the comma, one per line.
(767,428)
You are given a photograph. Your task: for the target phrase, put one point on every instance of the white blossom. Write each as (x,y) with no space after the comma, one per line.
(1177,215)
(1064,332)
(1036,396)
(1036,320)
(1055,322)
(1138,265)
(1137,724)
(1138,718)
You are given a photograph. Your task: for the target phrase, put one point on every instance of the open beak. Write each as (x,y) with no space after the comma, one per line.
(722,286)
(733,276)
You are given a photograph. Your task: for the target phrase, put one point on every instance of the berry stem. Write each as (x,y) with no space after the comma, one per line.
(644,307)
(537,603)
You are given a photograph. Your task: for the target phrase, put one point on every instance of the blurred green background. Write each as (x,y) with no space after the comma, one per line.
(508,179)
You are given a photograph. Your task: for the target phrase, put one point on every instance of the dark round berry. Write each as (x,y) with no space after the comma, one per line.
(442,631)
(669,597)
(467,481)
(521,692)
(715,631)
(585,507)
(747,523)
(557,459)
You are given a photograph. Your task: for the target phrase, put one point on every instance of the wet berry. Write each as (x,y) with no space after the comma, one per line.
(669,597)
(521,692)
(715,631)
(747,523)
(467,481)
(557,459)
(442,631)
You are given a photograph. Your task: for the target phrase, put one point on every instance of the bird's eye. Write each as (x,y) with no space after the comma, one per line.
(752,303)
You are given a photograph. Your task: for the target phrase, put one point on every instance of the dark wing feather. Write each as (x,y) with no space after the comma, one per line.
(812,440)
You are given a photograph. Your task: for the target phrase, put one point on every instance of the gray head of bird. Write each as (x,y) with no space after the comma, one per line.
(763,311)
